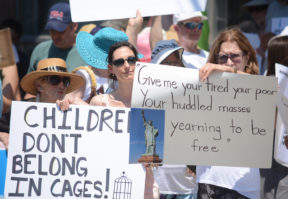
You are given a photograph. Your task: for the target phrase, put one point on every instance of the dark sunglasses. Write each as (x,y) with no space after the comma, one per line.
(236,58)
(55,80)
(121,61)
(192,25)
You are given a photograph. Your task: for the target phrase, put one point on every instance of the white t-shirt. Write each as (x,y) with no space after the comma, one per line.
(174,179)
(245,181)
(196,61)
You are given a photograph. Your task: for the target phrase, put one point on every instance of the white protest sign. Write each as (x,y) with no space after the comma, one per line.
(83,152)
(227,120)
(95,10)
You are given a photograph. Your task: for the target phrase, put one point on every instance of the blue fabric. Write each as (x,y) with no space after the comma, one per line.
(178,196)
(94,49)
(59,17)
(1,99)
(3,165)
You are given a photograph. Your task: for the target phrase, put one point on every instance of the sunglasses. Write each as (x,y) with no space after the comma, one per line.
(121,61)
(192,25)
(55,80)
(236,58)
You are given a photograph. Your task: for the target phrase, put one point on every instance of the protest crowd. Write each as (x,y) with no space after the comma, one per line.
(94,66)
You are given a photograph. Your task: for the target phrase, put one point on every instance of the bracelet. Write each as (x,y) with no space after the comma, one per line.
(235,69)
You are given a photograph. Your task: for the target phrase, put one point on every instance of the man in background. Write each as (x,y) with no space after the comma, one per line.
(63,34)
(188,27)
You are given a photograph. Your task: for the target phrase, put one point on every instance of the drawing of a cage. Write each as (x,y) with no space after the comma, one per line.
(122,187)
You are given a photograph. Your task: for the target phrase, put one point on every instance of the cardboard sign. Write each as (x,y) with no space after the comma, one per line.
(228,120)
(6,51)
(91,10)
(83,152)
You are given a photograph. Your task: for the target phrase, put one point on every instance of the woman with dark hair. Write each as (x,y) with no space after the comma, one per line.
(231,52)
(122,57)
(275,179)
(277,51)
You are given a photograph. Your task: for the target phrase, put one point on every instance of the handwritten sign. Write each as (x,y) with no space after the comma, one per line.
(227,120)
(91,10)
(83,152)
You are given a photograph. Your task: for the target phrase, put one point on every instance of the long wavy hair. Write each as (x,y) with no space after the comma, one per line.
(235,35)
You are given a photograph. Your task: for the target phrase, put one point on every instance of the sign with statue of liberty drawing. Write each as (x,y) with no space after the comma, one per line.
(146,135)
(211,122)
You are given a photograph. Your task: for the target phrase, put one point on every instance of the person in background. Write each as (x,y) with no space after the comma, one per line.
(274,181)
(63,34)
(174,181)
(258,10)
(189,27)
(21,58)
(230,52)
(51,81)
(277,16)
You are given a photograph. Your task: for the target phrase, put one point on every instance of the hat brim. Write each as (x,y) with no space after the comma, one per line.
(56,25)
(28,81)
(160,58)
(254,3)
(87,50)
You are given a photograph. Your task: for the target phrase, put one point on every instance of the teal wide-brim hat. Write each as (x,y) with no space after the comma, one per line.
(94,49)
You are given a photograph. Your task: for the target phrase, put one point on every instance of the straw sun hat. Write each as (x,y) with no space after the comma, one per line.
(49,67)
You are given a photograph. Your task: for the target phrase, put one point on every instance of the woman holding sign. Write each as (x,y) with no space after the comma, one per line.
(231,52)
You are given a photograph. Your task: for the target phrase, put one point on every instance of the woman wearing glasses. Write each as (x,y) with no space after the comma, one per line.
(122,57)
(51,81)
(231,52)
